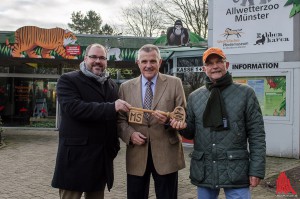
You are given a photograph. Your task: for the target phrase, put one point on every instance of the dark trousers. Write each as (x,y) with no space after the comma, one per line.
(66,194)
(166,186)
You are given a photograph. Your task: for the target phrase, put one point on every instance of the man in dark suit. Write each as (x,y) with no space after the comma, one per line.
(88,141)
(152,147)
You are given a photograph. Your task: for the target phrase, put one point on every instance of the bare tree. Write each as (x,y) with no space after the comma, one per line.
(143,19)
(193,13)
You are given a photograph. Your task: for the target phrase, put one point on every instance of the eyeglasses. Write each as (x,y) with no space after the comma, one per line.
(95,58)
(218,63)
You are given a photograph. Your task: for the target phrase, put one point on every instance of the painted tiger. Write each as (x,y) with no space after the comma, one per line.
(27,38)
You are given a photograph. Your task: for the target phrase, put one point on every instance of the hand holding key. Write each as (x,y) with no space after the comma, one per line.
(136,114)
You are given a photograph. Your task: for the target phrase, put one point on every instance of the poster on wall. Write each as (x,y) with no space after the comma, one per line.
(252,26)
(270,92)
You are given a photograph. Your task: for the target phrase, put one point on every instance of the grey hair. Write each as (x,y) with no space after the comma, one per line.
(148,48)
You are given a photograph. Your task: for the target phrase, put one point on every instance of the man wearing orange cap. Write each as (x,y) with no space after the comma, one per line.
(225,121)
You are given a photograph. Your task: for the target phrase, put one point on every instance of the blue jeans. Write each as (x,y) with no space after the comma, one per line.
(230,193)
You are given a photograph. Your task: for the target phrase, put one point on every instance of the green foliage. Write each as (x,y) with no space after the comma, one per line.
(289,2)
(283,104)
(86,24)
(107,30)
(125,73)
(4,50)
(46,124)
(280,84)
(194,39)
(10,37)
(78,23)
(112,72)
(92,22)
(89,24)
(295,8)
(128,54)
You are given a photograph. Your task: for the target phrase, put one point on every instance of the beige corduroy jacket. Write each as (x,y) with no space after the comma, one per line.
(166,143)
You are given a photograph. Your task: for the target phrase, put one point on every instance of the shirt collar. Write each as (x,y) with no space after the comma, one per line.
(153,80)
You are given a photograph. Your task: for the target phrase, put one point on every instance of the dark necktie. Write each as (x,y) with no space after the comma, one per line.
(148,98)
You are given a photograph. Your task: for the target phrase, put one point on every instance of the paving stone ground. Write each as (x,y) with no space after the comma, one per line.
(28,156)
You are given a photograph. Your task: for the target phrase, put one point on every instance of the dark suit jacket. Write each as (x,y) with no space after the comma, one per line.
(88,140)
(166,145)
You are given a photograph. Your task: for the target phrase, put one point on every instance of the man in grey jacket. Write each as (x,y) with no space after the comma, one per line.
(225,121)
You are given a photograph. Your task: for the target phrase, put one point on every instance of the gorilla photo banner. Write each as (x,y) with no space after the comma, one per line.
(252,26)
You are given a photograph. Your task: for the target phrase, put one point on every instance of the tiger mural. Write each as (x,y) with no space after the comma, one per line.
(27,38)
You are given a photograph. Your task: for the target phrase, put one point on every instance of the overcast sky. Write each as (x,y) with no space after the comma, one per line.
(56,13)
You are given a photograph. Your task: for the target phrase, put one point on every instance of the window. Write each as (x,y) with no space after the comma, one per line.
(273,91)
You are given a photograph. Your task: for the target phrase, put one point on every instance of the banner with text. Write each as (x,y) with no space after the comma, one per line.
(252,26)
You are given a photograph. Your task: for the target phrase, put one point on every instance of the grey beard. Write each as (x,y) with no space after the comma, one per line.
(101,78)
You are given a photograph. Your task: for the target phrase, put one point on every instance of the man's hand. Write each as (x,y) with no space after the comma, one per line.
(162,119)
(254,181)
(121,105)
(138,138)
(178,125)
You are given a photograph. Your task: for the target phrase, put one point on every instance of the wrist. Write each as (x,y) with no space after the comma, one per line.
(130,141)
(167,124)
(168,121)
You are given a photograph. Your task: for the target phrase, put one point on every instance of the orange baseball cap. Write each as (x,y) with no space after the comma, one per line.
(213,50)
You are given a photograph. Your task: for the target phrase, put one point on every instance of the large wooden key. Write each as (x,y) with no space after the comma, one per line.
(136,115)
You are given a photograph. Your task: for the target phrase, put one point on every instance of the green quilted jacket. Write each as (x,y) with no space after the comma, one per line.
(227,158)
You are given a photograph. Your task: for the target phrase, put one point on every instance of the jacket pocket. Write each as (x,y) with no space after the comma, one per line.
(76,151)
(75,141)
(197,166)
(238,166)
(173,139)
(238,133)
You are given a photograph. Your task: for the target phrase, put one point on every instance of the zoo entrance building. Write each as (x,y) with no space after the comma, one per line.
(32,59)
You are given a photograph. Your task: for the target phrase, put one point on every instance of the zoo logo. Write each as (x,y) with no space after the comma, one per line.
(261,39)
(228,32)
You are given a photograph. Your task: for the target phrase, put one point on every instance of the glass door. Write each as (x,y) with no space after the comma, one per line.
(29,102)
